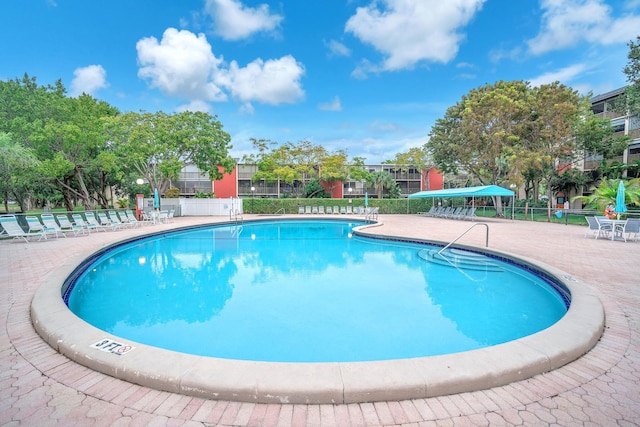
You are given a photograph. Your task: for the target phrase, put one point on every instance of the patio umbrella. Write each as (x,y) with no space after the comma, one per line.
(620,206)
(366,200)
(156,199)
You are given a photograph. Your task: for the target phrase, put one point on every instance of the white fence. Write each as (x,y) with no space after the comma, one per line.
(200,207)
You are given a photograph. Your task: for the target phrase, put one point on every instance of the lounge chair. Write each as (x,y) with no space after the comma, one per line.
(307,209)
(454,212)
(336,209)
(470,215)
(132,218)
(321,210)
(329,210)
(343,210)
(106,222)
(314,209)
(67,227)
(36,228)
(80,222)
(430,212)
(300,209)
(461,214)
(115,219)
(93,222)
(11,228)
(49,221)
(171,214)
(349,210)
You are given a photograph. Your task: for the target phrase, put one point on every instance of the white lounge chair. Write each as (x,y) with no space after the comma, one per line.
(329,210)
(49,221)
(67,227)
(80,222)
(37,228)
(300,209)
(314,209)
(93,222)
(307,209)
(106,222)
(11,228)
(349,210)
(132,218)
(321,210)
(336,209)
(115,219)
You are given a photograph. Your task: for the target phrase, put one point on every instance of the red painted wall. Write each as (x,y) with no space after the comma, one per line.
(337,190)
(227,186)
(435,180)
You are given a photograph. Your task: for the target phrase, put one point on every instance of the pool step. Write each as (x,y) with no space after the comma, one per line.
(460,259)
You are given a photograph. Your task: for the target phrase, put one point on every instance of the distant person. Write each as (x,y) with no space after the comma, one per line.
(610,212)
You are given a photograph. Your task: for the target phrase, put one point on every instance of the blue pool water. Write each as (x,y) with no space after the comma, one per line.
(306,291)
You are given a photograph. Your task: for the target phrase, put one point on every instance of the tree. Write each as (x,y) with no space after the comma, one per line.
(605,194)
(547,140)
(631,97)
(481,133)
(156,146)
(334,169)
(417,157)
(17,165)
(382,180)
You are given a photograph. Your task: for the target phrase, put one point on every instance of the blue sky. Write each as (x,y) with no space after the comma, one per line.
(369,77)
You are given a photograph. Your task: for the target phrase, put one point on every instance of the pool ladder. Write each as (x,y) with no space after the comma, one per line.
(465,232)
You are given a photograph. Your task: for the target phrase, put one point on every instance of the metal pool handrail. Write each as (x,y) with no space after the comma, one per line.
(465,232)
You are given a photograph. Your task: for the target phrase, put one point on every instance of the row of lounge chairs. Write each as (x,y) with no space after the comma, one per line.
(347,210)
(451,213)
(63,225)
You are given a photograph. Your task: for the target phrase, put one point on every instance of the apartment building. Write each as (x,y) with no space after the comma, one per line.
(240,183)
(623,124)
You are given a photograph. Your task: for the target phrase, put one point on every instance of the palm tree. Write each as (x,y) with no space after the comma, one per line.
(605,194)
(381,180)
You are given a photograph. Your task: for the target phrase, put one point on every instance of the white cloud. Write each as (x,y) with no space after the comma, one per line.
(568,22)
(337,49)
(234,21)
(180,65)
(334,105)
(564,75)
(274,81)
(88,80)
(410,31)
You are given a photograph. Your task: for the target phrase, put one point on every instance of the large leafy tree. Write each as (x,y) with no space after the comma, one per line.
(547,138)
(76,147)
(18,171)
(481,133)
(156,146)
(632,71)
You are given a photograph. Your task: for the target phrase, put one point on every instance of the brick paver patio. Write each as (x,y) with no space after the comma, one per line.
(41,387)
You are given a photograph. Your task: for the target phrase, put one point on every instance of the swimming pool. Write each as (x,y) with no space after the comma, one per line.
(324,383)
(309,291)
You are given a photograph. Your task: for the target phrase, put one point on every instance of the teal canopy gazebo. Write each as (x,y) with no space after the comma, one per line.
(473,192)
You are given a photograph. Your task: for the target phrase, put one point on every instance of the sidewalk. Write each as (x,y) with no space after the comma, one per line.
(42,387)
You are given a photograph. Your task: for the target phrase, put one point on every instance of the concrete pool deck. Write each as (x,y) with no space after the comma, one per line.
(44,387)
